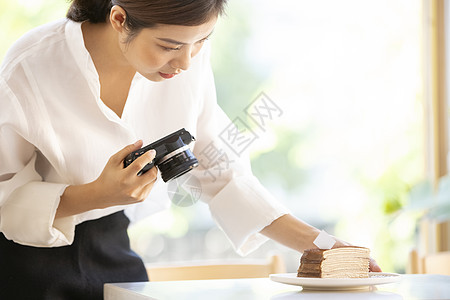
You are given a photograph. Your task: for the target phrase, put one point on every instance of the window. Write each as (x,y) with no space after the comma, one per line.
(349,141)
(348,145)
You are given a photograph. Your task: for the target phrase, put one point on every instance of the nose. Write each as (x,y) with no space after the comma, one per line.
(183,60)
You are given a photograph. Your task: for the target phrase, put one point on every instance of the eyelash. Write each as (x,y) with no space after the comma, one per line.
(178,48)
(171,49)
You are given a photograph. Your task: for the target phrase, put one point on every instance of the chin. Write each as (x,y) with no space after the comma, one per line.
(155,77)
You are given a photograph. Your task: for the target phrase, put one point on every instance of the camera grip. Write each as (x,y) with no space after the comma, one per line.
(146,168)
(132,156)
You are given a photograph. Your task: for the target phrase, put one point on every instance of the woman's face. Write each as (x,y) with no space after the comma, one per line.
(162,52)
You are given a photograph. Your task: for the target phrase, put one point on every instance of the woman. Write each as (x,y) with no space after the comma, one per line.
(84,92)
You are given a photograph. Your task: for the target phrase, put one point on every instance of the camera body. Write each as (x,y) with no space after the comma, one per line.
(173,155)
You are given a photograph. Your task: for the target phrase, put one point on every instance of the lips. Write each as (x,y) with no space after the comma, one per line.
(167,76)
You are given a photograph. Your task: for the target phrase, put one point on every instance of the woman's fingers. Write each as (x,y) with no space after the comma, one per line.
(373,266)
(120,156)
(146,185)
(150,175)
(141,162)
(148,188)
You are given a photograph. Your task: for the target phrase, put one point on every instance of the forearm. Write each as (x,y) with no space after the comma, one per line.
(77,199)
(291,232)
(116,185)
(298,235)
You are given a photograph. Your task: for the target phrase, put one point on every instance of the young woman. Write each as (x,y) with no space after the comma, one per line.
(77,96)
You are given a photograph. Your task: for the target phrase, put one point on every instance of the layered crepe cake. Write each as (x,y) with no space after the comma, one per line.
(342,262)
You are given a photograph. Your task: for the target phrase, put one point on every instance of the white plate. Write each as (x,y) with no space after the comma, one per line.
(336,283)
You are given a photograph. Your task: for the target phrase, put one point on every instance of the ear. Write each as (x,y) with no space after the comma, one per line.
(117,18)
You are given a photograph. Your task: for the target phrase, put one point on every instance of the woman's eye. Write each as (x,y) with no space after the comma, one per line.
(201,41)
(171,49)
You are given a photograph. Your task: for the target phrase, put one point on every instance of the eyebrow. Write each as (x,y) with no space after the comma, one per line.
(181,43)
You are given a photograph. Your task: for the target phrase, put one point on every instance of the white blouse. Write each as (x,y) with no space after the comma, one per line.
(55,131)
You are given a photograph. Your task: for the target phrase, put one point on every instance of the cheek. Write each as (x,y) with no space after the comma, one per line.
(196,50)
(146,58)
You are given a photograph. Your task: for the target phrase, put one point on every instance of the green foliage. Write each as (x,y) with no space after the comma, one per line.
(392,204)
(277,166)
(430,203)
(394,191)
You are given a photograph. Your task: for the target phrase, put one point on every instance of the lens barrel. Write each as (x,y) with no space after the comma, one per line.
(178,162)
(177,165)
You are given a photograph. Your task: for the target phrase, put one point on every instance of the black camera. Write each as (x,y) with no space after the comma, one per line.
(173,155)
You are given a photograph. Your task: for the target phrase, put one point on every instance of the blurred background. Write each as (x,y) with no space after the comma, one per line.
(350,143)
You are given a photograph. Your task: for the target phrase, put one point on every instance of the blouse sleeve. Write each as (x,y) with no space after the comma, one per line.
(238,202)
(27,203)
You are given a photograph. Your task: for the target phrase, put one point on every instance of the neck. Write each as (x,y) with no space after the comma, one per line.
(114,72)
(102,43)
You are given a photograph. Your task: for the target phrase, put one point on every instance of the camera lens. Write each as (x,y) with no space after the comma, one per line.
(178,162)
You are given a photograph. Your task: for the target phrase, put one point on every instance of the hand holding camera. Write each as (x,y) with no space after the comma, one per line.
(114,186)
(173,155)
(119,186)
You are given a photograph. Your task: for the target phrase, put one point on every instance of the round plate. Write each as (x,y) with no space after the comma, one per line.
(336,283)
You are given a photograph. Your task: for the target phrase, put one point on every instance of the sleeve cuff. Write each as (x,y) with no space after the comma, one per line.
(242,209)
(28,216)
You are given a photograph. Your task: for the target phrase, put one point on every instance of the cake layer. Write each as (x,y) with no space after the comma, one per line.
(342,262)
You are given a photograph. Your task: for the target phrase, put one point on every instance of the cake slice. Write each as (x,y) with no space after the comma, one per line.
(342,262)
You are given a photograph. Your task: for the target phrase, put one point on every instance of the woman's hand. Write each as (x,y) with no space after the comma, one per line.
(373,266)
(116,185)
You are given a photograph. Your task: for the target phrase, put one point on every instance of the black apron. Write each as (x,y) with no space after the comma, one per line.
(99,254)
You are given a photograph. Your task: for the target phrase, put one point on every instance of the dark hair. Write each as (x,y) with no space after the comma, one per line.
(148,13)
